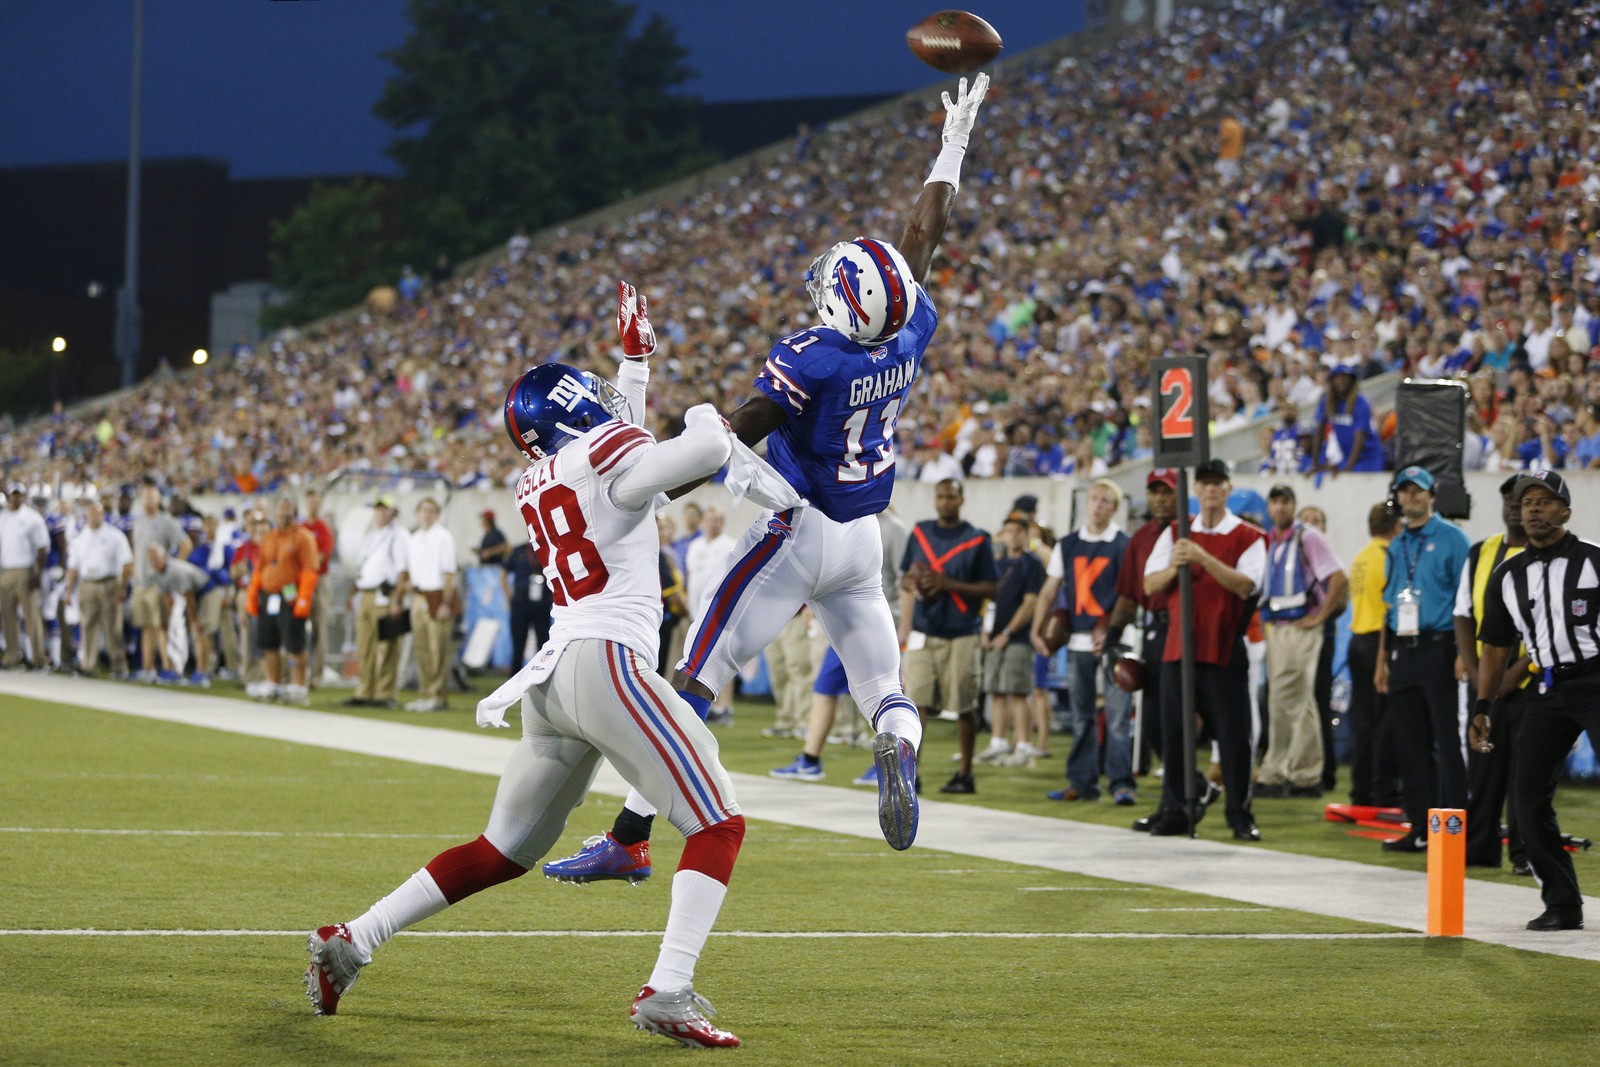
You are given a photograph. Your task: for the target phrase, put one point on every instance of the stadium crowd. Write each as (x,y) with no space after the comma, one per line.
(1373,187)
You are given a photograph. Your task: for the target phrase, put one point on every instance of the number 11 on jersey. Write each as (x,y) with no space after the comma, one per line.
(880,442)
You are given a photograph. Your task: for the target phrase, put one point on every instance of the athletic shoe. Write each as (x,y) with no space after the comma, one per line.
(261,690)
(168,678)
(801,770)
(425,705)
(1408,843)
(1068,794)
(1245,830)
(1558,919)
(1123,796)
(720,717)
(961,783)
(335,966)
(681,1016)
(600,859)
(868,777)
(294,694)
(775,731)
(1024,755)
(999,748)
(896,763)
(198,680)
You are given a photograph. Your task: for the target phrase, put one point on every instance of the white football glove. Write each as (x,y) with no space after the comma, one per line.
(961,113)
(633,322)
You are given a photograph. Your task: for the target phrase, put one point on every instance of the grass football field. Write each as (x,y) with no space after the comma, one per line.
(159,880)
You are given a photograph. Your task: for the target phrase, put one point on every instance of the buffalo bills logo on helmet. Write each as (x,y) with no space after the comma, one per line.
(847,287)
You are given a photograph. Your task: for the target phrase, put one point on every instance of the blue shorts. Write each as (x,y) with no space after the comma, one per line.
(831,681)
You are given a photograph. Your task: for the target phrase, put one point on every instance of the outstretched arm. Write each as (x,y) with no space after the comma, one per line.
(692,457)
(931,213)
(638,342)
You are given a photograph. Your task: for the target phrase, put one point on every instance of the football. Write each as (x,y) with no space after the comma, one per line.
(953,41)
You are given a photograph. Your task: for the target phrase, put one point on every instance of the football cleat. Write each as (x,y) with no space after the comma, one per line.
(335,966)
(681,1016)
(799,771)
(896,763)
(601,859)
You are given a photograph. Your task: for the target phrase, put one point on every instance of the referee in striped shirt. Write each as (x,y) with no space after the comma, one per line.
(1548,598)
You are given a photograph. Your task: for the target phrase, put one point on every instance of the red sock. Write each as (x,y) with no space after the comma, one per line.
(464,870)
(712,851)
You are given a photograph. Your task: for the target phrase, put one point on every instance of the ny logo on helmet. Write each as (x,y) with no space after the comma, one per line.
(569,392)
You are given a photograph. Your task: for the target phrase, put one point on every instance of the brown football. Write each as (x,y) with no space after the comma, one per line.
(954,41)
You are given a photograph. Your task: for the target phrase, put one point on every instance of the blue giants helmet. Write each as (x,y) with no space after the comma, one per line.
(863,289)
(553,404)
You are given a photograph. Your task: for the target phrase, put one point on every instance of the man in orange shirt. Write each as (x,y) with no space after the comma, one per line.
(279,599)
(319,603)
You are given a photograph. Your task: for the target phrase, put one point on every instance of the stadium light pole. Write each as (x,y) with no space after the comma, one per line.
(128,317)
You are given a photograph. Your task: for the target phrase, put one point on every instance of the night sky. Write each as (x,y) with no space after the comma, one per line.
(286,87)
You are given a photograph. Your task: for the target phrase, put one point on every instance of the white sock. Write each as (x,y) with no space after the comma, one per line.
(417,898)
(902,720)
(696,899)
(637,804)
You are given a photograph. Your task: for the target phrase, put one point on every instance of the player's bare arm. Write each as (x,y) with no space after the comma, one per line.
(931,213)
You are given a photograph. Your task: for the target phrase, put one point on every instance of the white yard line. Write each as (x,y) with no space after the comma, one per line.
(765,935)
(1251,875)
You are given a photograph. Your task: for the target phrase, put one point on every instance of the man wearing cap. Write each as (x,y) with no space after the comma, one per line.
(1227,558)
(1417,655)
(24,544)
(1489,773)
(382,581)
(1161,501)
(493,549)
(1548,598)
(1305,586)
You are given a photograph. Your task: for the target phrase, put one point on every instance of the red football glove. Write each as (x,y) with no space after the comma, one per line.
(633,322)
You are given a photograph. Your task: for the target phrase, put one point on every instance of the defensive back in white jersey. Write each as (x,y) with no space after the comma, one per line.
(599,559)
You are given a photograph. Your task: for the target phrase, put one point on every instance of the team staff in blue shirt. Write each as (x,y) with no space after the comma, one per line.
(1417,654)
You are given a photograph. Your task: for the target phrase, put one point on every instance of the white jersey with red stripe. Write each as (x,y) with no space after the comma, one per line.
(600,560)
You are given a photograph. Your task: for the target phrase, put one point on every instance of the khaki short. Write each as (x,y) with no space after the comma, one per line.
(943,674)
(147,613)
(1008,671)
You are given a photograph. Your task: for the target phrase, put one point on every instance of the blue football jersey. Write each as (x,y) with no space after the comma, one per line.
(844,401)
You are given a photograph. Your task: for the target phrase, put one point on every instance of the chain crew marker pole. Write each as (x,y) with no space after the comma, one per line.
(1447,871)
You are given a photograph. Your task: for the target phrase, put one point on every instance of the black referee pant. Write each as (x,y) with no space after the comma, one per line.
(1489,783)
(1222,699)
(1551,724)
(1425,711)
(1374,775)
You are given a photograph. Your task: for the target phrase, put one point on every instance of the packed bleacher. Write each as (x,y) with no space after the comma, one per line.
(1372,187)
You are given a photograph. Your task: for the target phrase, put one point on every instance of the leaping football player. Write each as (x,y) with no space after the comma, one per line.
(589,501)
(830,397)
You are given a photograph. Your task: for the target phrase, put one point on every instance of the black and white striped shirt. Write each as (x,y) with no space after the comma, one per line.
(1550,598)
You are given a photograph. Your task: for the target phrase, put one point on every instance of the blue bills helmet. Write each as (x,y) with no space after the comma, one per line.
(863,289)
(551,405)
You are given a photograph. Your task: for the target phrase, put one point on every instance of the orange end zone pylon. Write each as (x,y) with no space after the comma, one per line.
(1447,871)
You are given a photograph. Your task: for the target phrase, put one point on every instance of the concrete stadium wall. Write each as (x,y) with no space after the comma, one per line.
(1346,500)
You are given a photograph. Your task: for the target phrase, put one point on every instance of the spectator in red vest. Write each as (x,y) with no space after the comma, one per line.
(1227,559)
